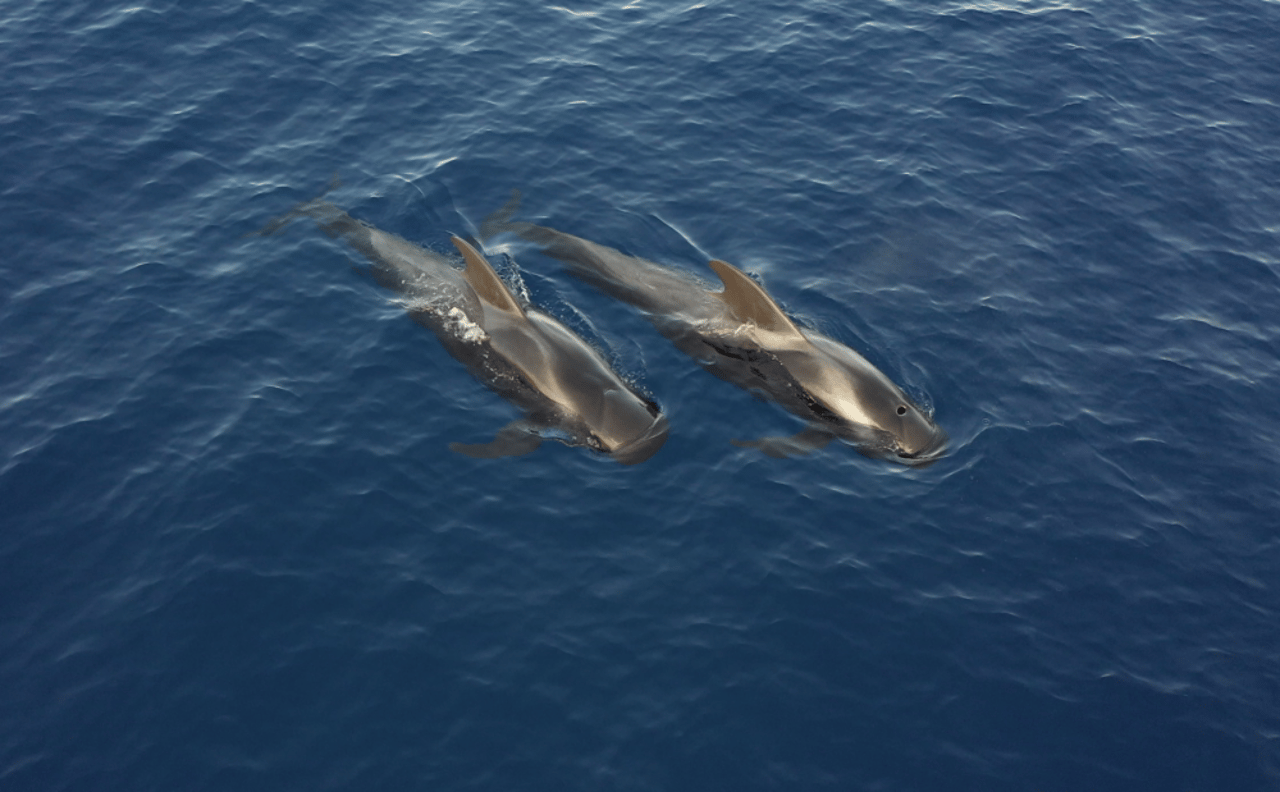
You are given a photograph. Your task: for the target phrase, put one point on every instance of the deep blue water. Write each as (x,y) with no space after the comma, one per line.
(236,553)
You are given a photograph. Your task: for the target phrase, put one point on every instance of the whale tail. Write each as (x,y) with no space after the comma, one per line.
(557,244)
(311,208)
(500,220)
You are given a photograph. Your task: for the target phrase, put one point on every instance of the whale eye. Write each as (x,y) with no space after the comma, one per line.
(902,409)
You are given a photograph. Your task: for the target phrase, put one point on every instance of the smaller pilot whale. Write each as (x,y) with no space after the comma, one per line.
(561,383)
(741,335)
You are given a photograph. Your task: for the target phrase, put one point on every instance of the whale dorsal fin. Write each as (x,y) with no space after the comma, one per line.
(749,301)
(485,281)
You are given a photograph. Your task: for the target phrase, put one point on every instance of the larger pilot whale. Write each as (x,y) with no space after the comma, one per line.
(741,335)
(562,384)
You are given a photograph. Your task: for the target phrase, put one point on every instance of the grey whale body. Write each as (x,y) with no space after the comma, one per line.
(561,383)
(741,335)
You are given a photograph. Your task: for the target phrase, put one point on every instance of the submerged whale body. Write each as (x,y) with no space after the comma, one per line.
(741,335)
(562,384)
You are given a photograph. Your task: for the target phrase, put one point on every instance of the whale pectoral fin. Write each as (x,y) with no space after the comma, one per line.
(514,439)
(485,281)
(749,301)
(815,438)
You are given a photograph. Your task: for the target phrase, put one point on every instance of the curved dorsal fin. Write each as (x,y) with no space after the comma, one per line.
(749,301)
(485,281)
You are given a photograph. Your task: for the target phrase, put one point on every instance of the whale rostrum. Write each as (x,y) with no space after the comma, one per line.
(742,335)
(562,384)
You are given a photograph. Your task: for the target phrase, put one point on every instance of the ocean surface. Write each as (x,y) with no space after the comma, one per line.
(237,554)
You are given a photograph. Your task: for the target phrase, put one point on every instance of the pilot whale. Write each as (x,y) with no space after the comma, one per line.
(562,384)
(741,335)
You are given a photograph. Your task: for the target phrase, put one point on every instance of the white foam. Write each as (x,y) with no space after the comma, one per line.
(462,326)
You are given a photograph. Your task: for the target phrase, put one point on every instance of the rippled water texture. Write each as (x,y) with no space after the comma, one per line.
(236,553)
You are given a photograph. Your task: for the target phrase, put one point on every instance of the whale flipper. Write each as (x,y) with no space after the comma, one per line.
(814,438)
(515,439)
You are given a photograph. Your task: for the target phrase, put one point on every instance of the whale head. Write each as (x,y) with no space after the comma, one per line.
(862,404)
(913,437)
(629,429)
